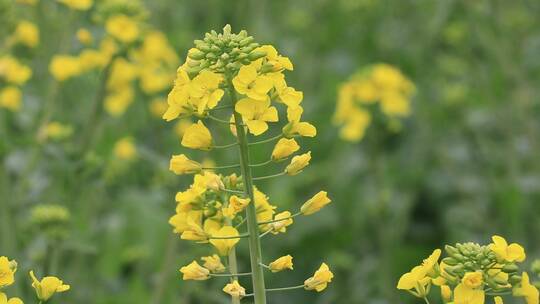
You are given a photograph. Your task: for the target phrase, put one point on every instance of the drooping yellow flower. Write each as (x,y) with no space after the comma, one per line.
(7,271)
(277,61)
(63,67)
(10,98)
(298,163)
(213,263)
(527,290)
(13,71)
(256,114)
(236,205)
(122,28)
(27,34)
(84,36)
(125,149)
(205,91)
(197,136)
(511,253)
(224,244)
(235,290)
(284,148)
(316,203)
(254,86)
(180,164)
(194,231)
(418,278)
(194,271)
(320,279)
(282,221)
(282,263)
(4,299)
(265,210)
(81,5)
(48,286)
(180,220)
(295,126)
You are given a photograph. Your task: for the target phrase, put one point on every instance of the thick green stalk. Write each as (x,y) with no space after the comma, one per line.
(259,293)
(233,268)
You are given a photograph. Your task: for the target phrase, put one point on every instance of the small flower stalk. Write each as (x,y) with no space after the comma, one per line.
(471,272)
(230,79)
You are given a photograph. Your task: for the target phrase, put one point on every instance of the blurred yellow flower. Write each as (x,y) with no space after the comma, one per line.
(282,263)
(157,107)
(122,28)
(298,163)
(320,279)
(84,36)
(7,271)
(81,5)
(27,33)
(316,203)
(254,86)
(117,102)
(418,277)
(511,253)
(63,67)
(10,98)
(4,299)
(256,114)
(446,293)
(13,71)
(213,263)
(498,300)
(125,149)
(197,136)
(527,290)
(235,290)
(48,286)
(223,243)
(194,271)
(57,130)
(180,164)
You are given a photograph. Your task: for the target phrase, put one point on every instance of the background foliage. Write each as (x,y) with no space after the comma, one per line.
(463,167)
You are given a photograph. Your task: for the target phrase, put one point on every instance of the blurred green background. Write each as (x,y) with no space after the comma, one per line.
(464,166)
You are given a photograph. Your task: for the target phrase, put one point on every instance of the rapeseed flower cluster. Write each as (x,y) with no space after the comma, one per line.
(232,73)
(379,85)
(472,272)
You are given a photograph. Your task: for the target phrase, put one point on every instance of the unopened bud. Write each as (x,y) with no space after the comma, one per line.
(510,268)
(256,55)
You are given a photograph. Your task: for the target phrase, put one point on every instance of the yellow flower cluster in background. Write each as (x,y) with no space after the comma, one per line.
(379,85)
(471,272)
(14,74)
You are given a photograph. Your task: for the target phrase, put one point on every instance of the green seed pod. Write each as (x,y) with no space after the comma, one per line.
(510,268)
(256,55)
(485,262)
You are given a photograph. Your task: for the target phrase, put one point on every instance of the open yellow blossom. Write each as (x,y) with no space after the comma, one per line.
(13,71)
(92,59)
(178,97)
(213,263)
(418,277)
(295,126)
(298,163)
(48,286)
(205,91)
(473,279)
(316,203)
(254,86)
(235,290)
(256,114)
(10,98)
(236,205)
(194,231)
(277,61)
(180,220)
(284,148)
(194,271)
(84,36)
(4,299)
(527,290)
(63,67)
(466,295)
(27,34)
(511,253)
(180,164)
(224,245)
(282,221)
(125,149)
(320,279)
(81,5)
(7,271)
(282,263)
(197,136)
(122,28)
(287,95)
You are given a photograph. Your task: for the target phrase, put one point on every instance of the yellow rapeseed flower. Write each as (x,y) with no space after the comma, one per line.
(235,290)
(4,299)
(498,300)
(236,205)
(48,286)
(511,253)
(27,33)
(197,136)
(84,36)
(316,203)
(213,263)
(284,148)
(204,90)
(527,290)
(63,67)
(446,293)
(282,221)
(180,164)
(277,61)
(80,5)
(256,114)
(7,271)
(122,28)
(418,278)
(125,149)
(194,271)
(295,126)
(298,163)
(282,263)
(320,279)
(254,86)
(224,245)
(13,71)
(10,98)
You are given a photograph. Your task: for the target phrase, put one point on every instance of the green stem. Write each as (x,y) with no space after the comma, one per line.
(245,235)
(255,255)
(233,275)
(269,176)
(221,167)
(426,299)
(279,220)
(261,164)
(286,288)
(225,146)
(265,140)
(220,120)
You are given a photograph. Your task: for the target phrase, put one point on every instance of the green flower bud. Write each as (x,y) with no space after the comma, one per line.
(256,55)
(536,267)
(514,279)
(246,41)
(450,261)
(450,250)
(196,54)
(510,268)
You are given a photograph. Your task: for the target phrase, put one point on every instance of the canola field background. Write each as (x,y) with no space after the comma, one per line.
(85,188)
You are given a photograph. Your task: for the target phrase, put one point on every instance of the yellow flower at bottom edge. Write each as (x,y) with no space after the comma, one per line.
(194,271)
(7,271)
(10,98)
(4,299)
(284,148)
(235,290)
(298,163)
(527,290)
(223,244)
(81,5)
(320,279)
(510,253)
(463,294)
(282,263)
(213,263)
(122,28)
(316,203)
(498,300)
(48,286)
(197,136)
(180,164)
(418,278)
